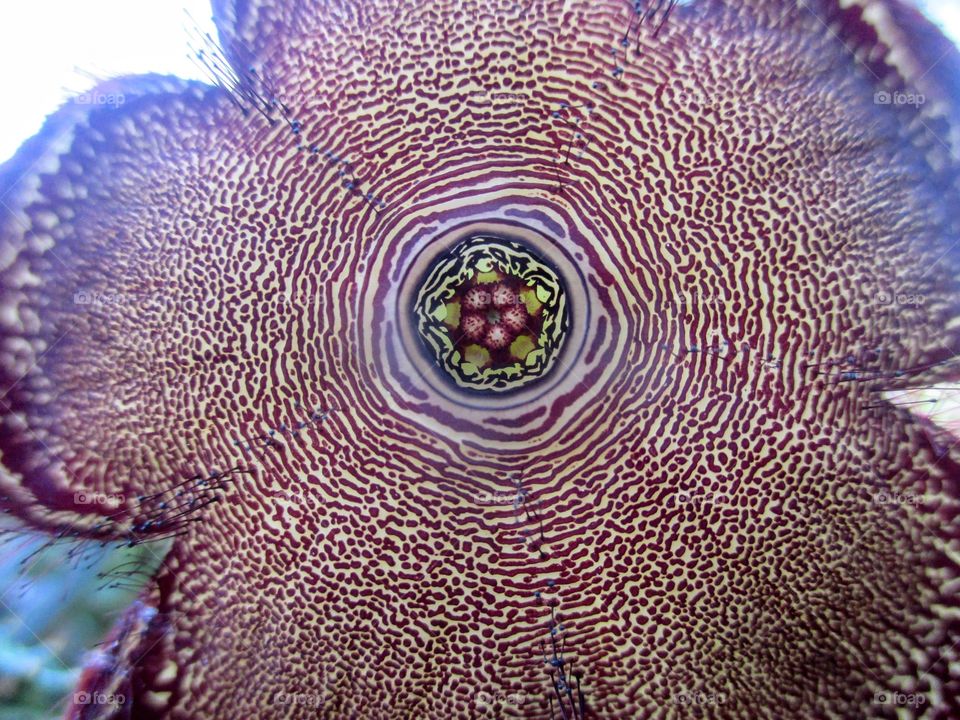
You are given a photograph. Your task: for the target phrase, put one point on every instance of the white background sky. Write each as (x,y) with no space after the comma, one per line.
(50,48)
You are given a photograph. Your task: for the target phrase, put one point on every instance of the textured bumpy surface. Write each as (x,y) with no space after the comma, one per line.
(491,315)
(706,509)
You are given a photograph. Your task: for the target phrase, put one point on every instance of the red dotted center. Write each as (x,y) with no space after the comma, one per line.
(492,315)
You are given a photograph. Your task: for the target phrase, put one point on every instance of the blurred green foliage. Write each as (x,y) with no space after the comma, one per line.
(57,601)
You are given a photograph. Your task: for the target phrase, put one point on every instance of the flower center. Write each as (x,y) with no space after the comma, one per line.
(492,314)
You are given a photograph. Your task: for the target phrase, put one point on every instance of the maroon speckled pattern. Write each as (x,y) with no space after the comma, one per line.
(695,501)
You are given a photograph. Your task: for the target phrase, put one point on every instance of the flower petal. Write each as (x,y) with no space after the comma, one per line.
(97,306)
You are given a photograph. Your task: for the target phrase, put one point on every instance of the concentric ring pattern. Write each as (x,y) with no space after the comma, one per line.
(681,509)
(592,346)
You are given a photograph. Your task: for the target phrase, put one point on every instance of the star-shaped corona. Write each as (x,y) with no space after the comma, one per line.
(492,314)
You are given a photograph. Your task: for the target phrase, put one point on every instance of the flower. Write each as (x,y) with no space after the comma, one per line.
(341,157)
